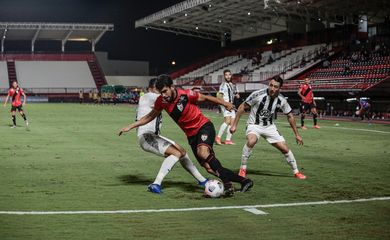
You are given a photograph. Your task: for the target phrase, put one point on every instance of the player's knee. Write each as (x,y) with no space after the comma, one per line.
(202,153)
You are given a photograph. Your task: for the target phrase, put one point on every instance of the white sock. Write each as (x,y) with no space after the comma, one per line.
(291,161)
(166,167)
(228,134)
(190,167)
(246,153)
(222,129)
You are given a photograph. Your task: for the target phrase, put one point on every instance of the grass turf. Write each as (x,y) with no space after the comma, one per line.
(72,159)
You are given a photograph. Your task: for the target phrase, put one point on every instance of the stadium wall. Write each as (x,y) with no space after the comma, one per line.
(3,75)
(129,81)
(122,68)
(54,74)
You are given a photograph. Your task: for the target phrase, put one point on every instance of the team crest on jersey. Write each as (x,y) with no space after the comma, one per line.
(204,137)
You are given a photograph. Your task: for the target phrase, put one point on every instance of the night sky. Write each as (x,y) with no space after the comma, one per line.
(126,42)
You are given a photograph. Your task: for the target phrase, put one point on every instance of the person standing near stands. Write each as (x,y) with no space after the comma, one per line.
(81,96)
(227,91)
(15,92)
(307,103)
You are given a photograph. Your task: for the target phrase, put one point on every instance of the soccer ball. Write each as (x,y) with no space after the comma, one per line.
(213,189)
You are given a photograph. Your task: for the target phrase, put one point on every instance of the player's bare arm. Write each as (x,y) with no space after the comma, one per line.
(241,109)
(300,95)
(144,120)
(6,100)
(291,120)
(24,98)
(229,106)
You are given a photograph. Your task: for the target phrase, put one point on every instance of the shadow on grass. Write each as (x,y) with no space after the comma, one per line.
(267,173)
(144,181)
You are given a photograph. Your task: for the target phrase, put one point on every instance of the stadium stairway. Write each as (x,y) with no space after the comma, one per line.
(11,72)
(97,73)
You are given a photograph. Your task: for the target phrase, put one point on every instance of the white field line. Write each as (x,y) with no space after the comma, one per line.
(192,209)
(343,128)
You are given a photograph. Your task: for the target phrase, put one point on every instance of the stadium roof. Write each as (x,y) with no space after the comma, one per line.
(213,19)
(63,32)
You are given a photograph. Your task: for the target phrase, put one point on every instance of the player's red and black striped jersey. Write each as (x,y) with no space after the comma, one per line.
(15,94)
(306,91)
(184,111)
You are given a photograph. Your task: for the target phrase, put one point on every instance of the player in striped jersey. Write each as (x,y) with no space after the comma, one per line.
(150,140)
(264,105)
(227,91)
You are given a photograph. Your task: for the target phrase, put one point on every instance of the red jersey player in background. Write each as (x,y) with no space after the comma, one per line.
(15,92)
(307,103)
(181,106)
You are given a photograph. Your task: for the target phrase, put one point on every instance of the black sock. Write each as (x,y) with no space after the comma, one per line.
(226,175)
(23,116)
(302,120)
(14,120)
(315,119)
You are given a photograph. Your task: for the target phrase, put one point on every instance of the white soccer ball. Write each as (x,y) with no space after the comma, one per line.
(213,188)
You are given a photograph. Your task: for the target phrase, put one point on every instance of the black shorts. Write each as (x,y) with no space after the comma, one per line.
(305,107)
(19,108)
(205,136)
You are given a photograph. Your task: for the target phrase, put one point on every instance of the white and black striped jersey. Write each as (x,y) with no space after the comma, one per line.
(145,105)
(264,108)
(228,90)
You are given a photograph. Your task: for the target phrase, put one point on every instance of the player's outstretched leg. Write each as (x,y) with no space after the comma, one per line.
(24,117)
(290,159)
(213,165)
(13,114)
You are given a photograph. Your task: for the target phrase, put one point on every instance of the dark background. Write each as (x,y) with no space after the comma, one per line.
(125,43)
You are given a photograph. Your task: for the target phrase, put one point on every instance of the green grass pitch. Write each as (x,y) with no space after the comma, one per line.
(71,159)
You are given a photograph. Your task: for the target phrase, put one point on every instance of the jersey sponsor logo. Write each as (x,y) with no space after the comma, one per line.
(265,113)
(204,137)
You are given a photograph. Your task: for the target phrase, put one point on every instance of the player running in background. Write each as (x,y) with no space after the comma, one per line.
(363,108)
(307,103)
(15,93)
(181,106)
(264,105)
(150,140)
(228,92)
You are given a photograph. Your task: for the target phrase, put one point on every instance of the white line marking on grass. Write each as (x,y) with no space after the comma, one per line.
(191,209)
(345,128)
(255,211)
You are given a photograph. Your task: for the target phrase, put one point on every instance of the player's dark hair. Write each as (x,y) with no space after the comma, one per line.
(163,81)
(279,80)
(226,70)
(152,83)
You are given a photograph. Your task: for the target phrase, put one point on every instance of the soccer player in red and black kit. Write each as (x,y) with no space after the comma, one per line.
(15,92)
(307,103)
(181,106)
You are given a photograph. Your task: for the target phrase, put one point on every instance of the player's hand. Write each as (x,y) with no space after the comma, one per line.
(233,129)
(229,106)
(123,130)
(299,140)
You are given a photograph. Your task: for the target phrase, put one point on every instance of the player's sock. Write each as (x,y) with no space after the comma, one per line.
(166,167)
(23,116)
(14,120)
(190,167)
(246,153)
(228,134)
(302,120)
(226,175)
(315,119)
(291,161)
(222,129)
